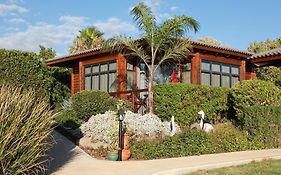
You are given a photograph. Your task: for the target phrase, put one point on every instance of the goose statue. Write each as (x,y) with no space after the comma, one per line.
(172,125)
(207,127)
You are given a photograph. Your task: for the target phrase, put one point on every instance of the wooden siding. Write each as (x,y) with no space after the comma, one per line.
(75,83)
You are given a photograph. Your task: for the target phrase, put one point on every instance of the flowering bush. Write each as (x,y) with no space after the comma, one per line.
(104,127)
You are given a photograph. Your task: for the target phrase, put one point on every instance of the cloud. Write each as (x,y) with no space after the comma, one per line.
(10,9)
(114,26)
(174,8)
(16,20)
(49,35)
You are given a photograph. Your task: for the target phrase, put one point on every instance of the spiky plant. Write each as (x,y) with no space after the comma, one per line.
(25,127)
(160,43)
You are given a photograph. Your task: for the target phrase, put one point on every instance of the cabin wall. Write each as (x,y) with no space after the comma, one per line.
(75,83)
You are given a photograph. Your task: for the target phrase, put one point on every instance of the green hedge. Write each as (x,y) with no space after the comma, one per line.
(263,123)
(254,92)
(184,101)
(88,103)
(25,69)
(183,144)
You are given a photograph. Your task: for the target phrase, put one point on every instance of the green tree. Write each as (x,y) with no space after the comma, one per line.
(264,45)
(88,38)
(211,40)
(160,43)
(46,53)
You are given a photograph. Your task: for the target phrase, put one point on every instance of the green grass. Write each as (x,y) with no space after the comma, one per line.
(268,167)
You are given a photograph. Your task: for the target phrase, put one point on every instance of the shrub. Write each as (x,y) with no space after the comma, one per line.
(271,73)
(68,119)
(25,69)
(263,123)
(254,92)
(184,101)
(104,127)
(227,138)
(183,144)
(88,103)
(25,124)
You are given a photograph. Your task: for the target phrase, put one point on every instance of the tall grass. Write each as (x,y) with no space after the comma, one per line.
(25,127)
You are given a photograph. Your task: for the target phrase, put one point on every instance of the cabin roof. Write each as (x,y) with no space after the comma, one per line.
(268,53)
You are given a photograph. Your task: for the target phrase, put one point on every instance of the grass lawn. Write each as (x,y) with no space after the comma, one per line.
(268,167)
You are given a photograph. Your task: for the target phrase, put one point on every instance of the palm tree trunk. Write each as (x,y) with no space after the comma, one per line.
(150,90)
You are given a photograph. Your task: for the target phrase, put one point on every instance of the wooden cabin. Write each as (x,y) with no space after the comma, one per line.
(125,77)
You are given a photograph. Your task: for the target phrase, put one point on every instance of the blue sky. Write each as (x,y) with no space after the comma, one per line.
(24,24)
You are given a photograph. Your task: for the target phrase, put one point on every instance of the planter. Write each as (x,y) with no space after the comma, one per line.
(126,141)
(113,156)
(126,154)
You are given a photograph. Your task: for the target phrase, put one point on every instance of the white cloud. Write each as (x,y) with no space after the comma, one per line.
(16,20)
(49,35)
(174,8)
(11,9)
(114,26)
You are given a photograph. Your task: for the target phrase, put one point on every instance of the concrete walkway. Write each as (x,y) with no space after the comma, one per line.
(69,159)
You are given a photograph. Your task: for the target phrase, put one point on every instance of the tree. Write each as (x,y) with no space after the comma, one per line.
(210,40)
(160,43)
(46,53)
(264,45)
(88,38)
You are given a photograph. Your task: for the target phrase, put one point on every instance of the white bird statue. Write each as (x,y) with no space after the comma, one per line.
(172,124)
(207,127)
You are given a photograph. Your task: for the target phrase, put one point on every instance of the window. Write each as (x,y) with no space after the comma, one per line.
(186,73)
(131,76)
(101,76)
(219,74)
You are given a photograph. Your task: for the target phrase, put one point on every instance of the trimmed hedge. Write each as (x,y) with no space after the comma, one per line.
(263,124)
(254,92)
(184,101)
(24,69)
(88,103)
(183,144)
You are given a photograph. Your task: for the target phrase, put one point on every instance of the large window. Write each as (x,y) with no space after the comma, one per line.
(101,76)
(131,76)
(219,74)
(186,73)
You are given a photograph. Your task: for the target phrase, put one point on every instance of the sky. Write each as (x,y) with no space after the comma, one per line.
(26,24)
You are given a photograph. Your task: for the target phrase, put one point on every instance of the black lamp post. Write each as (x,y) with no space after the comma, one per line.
(121,116)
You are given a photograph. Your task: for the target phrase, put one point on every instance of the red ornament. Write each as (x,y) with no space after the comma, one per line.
(174,77)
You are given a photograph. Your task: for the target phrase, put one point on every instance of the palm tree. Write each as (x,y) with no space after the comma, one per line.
(88,38)
(159,43)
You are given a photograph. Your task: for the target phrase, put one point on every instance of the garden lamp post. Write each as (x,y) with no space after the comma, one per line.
(121,116)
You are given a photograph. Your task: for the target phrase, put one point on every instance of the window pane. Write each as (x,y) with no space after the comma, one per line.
(95,69)
(112,66)
(131,80)
(103,82)
(95,82)
(103,68)
(205,79)
(215,80)
(216,67)
(235,70)
(112,82)
(205,66)
(186,76)
(234,81)
(225,69)
(225,81)
(130,66)
(87,70)
(88,83)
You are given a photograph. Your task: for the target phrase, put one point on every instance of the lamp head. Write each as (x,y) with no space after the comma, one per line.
(121,114)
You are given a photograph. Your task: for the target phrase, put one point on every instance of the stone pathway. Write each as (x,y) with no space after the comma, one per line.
(69,159)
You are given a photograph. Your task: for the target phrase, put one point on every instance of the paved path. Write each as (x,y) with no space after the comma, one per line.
(71,160)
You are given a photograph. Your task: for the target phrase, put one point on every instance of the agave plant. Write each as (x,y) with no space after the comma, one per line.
(25,127)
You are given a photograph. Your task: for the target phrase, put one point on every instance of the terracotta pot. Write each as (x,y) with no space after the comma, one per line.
(126,154)
(126,141)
